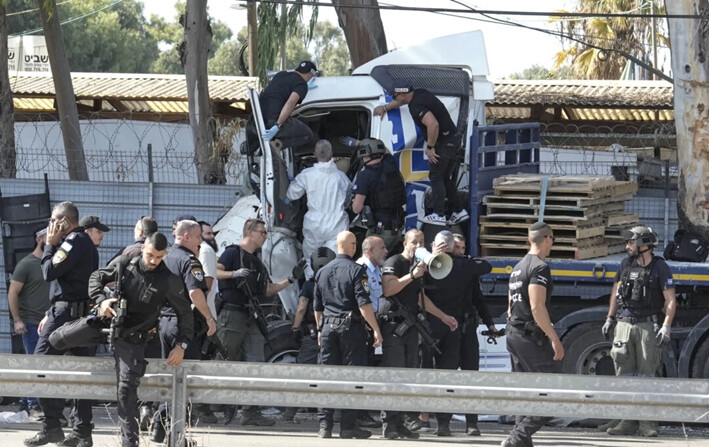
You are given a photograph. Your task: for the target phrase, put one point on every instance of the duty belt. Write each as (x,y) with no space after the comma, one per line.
(137,337)
(636,320)
(77,309)
(235,307)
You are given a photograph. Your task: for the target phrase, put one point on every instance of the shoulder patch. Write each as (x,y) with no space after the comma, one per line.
(198,274)
(71,236)
(66,246)
(58,257)
(365,284)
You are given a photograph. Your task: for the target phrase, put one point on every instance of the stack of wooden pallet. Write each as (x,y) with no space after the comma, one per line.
(578,208)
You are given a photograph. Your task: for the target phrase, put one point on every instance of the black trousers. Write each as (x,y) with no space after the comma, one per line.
(293,132)
(470,359)
(529,354)
(398,352)
(441,176)
(130,368)
(449,358)
(342,346)
(53,408)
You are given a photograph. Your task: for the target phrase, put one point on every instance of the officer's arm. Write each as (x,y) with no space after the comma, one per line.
(288,108)
(300,311)
(200,302)
(101,277)
(274,287)
(613,302)
(222,272)
(66,261)
(670,306)
(480,305)
(367,312)
(431,124)
(432,308)
(391,284)
(537,302)
(13,297)
(177,300)
(358,203)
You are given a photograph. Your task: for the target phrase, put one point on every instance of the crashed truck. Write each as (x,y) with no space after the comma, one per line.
(343,106)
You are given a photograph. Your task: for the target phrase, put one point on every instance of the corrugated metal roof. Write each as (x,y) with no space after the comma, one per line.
(579,93)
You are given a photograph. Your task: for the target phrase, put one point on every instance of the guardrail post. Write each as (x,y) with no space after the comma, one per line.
(178,437)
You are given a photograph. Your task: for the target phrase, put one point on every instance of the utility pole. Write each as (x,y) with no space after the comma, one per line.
(252,21)
(691,95)
(284,24)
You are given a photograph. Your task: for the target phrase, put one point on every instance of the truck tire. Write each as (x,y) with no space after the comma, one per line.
(700,362)
(282,346)
(587,352)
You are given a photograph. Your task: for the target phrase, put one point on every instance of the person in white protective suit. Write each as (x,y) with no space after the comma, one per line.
(327,189)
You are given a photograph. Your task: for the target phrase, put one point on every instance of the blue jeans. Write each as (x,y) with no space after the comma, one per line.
(29,341)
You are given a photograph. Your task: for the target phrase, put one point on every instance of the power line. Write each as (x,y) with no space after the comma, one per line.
(10,14)
(73,19)
(560,14)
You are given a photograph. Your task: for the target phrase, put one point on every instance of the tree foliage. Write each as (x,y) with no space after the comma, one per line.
(607,37)
(540,73)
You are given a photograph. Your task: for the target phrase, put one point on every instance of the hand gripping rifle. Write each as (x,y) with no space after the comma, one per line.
(120,307)
(417,321)
(256,311)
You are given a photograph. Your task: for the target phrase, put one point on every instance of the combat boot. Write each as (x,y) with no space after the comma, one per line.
(607,425)
(647,429)
(389,431)
(625,427)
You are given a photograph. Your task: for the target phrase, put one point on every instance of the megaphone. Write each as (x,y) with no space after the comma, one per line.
(438,266)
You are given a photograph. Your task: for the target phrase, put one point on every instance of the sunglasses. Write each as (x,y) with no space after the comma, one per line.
(253,225)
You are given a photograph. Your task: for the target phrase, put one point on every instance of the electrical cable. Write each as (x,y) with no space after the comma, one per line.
(73,19)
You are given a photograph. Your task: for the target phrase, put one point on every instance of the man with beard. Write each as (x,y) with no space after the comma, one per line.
(208,258)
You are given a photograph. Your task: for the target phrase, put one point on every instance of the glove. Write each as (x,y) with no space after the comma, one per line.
(607,328)
(299,270)
(663,336)
(348,141)
(311,84)
(270,133)
(245,280)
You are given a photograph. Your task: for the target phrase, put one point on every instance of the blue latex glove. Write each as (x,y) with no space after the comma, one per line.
(348,141)
(311,84)
(270,133)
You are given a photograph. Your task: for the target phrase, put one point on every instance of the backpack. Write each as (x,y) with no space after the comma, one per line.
(688,247)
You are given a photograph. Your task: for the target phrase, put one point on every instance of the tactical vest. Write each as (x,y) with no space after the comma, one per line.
(390,193)
(636,290)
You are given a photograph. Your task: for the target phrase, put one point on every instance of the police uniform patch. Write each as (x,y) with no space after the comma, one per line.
(58,257)
(198,274)
(365,284)
(66,246)
(71,236)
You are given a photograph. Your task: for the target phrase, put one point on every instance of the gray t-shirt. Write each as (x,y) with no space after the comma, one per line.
(34,296)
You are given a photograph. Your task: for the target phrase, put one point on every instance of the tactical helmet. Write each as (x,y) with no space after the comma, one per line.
(320,258)
(642,236)
(371,147)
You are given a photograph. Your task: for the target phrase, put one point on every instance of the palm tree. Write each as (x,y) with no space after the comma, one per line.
(607,38)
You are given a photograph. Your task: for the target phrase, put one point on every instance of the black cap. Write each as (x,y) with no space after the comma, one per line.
(401,86)
(306,67)
(184,217)
(93,222)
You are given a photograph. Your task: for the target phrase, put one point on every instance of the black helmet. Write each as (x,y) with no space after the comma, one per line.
(642,236)
(320,258)
(371,147)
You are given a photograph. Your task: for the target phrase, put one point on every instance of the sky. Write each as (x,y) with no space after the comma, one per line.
(509,49)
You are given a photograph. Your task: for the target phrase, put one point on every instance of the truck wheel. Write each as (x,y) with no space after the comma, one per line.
(587,352)
(282,347)
(700,363)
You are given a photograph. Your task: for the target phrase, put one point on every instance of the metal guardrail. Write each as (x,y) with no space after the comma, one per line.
(561,395)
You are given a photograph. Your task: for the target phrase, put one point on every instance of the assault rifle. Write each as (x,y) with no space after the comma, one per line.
(256,312)
(218,345)
(417,321)
(120,307)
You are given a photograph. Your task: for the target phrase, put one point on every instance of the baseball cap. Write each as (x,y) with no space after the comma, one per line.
(401,86)
(306,67)
(184,217)
(93,222)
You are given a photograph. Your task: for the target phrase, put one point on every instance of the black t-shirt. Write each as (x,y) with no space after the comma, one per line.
(341,286)
(660,277)
(530,270)
(424,102)
(452,293)
(367,183)
(307,292)
(277,92)
(399,266)
(183,263)
(234,258)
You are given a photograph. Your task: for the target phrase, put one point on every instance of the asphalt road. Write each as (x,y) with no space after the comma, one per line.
(303,434)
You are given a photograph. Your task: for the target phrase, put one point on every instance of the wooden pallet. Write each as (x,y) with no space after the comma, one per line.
(584,186)
(557,252)
(559,241)
(531,200)
(621,219)
(522,229)
(551,220)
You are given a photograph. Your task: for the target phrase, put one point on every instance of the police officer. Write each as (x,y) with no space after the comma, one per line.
(473,303)
(380,186)
(401,278)
(342,305)
(145,226)
(442,144)
(68,260)
(644,292)
(532,342)
(182,261)
(242,275)
(147,285)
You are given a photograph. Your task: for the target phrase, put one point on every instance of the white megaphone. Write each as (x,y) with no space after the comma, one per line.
(438,266)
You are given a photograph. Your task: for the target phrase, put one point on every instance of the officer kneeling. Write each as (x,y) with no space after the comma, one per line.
(144,286)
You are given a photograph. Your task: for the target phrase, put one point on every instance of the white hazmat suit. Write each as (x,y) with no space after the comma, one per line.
(327,189)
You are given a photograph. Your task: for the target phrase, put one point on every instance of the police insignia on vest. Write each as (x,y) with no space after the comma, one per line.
(365,284)
(58,257)
(197,273)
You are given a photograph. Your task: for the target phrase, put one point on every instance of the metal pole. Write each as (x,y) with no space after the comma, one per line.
(150,179)
(285,36)
(252,20)
(179,406)
(653,38)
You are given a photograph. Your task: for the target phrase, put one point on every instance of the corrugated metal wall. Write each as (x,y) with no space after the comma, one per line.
(120,205)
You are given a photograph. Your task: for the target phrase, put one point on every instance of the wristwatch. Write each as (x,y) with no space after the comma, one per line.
(183,345)
(428,146)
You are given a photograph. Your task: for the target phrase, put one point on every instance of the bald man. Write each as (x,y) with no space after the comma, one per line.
(342,306)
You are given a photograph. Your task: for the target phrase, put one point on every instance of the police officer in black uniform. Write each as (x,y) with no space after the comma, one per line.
(442,144)
(182,261)
(147,285)
(69,258)
(532,342)
(643,293)
(380,186)
(342,305)
(401,278)
(473,304)
(286,90)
